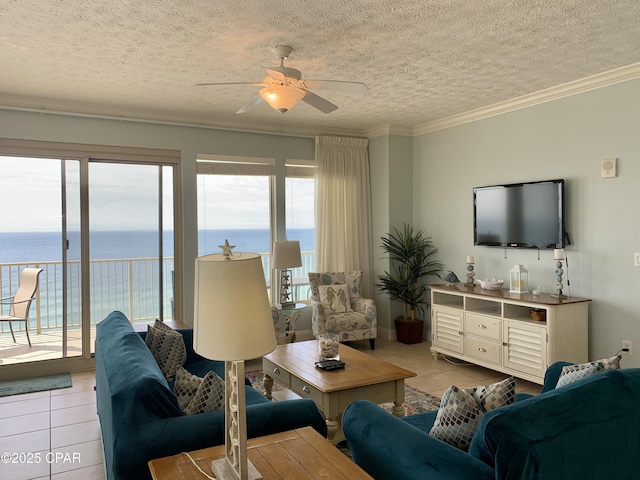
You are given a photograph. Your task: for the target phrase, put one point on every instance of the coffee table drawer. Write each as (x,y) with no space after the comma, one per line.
(305,390)
(278,374)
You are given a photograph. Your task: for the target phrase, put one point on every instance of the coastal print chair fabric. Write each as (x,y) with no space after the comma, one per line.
(352,317)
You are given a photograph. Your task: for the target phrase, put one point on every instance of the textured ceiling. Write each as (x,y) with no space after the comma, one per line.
(423,60)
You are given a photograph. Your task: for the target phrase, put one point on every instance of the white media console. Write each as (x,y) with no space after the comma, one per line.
(494,329)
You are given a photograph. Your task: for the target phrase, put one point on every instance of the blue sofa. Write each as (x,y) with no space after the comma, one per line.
(589,429)
(139,414)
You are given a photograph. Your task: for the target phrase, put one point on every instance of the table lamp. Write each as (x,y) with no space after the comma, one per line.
(232,322)
(285,256)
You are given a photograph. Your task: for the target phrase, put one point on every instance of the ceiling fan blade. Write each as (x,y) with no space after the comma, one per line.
(325,106)
(277,74)
(349,87)
(252,104)
(229,83)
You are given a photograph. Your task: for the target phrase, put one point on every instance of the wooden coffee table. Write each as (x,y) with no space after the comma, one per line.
(364,377)
(301,454)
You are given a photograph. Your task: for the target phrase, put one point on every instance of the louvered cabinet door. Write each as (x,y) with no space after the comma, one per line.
(446,328)
(524,347)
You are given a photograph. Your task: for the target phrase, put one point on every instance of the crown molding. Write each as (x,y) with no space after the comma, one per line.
(619,75)
(120,113)
(388,129)
(126,114)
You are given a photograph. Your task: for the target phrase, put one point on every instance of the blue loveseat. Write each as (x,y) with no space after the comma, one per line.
(139,414)
(587,430)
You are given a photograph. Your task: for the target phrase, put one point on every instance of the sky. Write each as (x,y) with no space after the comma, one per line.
(124,197)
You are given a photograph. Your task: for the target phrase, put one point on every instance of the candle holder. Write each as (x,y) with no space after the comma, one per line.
(470,271)
(518,279)
(558,256)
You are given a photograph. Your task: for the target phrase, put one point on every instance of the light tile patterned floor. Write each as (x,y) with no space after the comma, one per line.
(62,425)
(57,431)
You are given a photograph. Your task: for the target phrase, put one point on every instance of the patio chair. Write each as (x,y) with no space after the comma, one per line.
(20,303)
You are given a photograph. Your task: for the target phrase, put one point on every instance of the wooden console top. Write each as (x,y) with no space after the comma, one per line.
(504,294)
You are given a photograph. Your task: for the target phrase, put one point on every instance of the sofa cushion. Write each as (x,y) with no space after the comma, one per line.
(167,347)
(335,298)
(461,410)
(571,373)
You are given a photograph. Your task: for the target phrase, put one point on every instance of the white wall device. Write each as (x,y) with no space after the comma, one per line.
(608,168)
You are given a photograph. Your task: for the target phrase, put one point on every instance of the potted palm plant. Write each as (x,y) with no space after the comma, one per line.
(411,254)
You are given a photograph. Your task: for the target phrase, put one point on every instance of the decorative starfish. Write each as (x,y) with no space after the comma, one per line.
(226,249)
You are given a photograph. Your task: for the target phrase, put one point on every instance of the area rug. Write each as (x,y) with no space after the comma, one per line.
(36,384)
(415,401)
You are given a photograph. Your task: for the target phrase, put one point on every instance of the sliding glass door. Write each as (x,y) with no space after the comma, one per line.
(102,231)
(40,229)
(131,240)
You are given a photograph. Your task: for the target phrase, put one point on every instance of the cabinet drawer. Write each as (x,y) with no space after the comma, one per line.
(486,327)
(305,390)
(278,374)
(482,349)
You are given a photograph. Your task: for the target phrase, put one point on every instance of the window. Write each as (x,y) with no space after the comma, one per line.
(100,229)
(300,223)
(237,201)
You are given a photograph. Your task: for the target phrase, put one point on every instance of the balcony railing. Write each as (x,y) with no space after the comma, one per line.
(129,285)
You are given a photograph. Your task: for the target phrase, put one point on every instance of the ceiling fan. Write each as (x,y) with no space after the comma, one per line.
(284,87)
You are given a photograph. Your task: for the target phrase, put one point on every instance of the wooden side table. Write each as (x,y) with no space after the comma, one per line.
(301,454)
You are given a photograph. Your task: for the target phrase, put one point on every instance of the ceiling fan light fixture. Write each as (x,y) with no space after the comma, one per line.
(282,98)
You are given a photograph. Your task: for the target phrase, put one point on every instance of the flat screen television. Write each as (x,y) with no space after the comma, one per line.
(520,215)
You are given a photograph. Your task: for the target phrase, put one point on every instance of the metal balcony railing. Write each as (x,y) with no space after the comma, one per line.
(129,285)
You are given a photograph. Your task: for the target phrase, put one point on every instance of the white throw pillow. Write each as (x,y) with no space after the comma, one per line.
(335,298)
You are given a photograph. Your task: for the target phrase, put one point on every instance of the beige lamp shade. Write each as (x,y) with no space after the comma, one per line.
(286,255)
(232,315)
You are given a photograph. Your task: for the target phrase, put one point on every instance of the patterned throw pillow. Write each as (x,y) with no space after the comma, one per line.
(571,373)
(185,386)
(495,395)
(461,410)
(335,298)
(457,419)
(209,396)
(167,347)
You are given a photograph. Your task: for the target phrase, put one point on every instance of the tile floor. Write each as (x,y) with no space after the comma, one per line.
(58,429)
(62,426)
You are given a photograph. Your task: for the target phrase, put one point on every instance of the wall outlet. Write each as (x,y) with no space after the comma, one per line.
(626,344)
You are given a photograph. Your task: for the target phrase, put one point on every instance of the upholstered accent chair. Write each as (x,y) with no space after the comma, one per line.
(338,307)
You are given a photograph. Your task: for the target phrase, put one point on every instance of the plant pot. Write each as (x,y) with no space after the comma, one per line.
(409,332)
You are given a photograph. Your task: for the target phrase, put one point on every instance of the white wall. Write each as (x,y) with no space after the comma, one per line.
(566,138)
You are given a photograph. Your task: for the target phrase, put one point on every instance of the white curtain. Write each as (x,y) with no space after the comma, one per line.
(343,208)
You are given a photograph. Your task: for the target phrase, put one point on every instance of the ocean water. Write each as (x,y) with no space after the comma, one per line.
(23,247)
(130,286)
